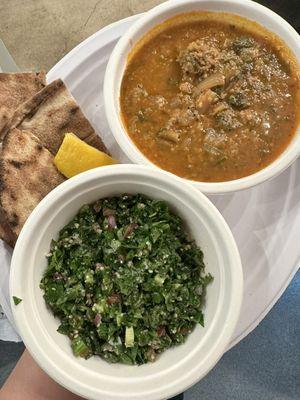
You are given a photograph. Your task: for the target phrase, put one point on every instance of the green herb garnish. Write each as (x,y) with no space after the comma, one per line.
(125,280)
(17,300)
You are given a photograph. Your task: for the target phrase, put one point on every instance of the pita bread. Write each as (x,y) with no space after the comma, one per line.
(15,89)
(27,175)
(50,114)
(6,233)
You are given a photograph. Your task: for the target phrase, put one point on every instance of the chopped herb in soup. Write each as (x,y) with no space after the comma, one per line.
(210,99)
(125,280)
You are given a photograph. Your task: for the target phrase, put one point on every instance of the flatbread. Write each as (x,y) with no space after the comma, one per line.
(6,233)
(15,89)
(44,118)
(50,114)
(27,175)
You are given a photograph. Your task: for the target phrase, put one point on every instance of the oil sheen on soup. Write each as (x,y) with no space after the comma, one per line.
(210,100)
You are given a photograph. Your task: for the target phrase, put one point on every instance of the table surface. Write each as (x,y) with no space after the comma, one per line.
(56,26)
(266,365)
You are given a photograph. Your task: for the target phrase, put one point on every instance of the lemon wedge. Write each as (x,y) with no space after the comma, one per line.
(75,156)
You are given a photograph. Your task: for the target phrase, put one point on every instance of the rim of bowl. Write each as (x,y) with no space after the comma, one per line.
(111,103)
(40,345)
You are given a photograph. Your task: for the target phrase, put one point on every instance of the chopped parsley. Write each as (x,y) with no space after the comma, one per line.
(125,280)
(17,300)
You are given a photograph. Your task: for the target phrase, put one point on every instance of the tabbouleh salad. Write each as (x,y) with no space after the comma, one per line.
(125,280)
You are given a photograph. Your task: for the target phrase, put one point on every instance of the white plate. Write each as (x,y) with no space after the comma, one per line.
(265,220)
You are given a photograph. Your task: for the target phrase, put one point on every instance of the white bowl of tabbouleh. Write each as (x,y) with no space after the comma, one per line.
(126,283)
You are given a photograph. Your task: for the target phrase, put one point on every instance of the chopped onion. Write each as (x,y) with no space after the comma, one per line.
(112,222)
(129,229)
(169,135)
(97,320)
(219,108)
(212,81)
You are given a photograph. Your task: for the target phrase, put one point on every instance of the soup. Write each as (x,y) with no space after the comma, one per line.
(210,97)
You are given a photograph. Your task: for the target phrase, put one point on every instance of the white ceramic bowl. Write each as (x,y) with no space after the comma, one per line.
(177,368)
(118,60)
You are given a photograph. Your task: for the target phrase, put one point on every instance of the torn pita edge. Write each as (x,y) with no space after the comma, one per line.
(6,234)
(11,80)
(30,106)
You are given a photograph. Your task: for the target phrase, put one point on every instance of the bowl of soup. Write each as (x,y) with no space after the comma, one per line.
(209,91)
